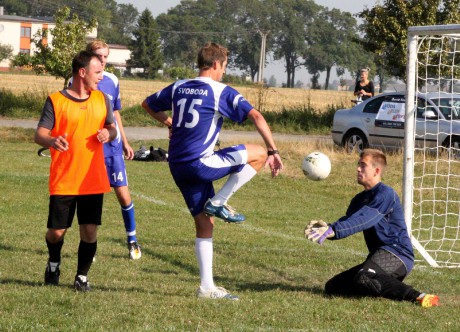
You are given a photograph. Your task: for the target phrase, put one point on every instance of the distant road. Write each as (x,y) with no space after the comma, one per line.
(148,133)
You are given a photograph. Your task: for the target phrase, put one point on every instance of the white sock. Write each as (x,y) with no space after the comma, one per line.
(53,266)
(204,251)
(234,182)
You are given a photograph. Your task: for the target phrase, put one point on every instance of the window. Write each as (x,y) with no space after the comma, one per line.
(373,106)
(24,51)
(25,32)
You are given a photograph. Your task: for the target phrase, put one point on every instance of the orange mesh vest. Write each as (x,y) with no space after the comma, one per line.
(80,170)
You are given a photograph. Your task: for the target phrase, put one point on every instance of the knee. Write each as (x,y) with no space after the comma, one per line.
(257,156)
(55,235)
(367,283)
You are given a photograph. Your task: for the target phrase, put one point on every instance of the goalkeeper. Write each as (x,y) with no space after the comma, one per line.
(377,212)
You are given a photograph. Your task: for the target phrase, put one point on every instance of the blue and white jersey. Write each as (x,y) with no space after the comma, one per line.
(198,108)
(109,85)
(379,215)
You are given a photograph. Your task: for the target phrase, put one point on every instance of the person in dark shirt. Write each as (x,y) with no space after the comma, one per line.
(364,88)
(377,212)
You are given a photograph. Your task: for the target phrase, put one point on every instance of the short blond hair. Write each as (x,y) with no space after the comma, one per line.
(378,157)
(95,45)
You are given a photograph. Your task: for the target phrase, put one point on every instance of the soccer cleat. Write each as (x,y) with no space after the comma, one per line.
(225,212)
(81,284)
(52,278)
(215,294)
(428,300)
(135,251)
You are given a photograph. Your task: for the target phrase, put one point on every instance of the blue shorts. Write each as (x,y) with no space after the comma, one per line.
(195,178)
(116,171)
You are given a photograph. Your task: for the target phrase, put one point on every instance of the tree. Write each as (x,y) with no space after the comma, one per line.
(6,51)
(145,48)
(332,42)
(185,31)
(253,19)
(386,28)
(292,20)
(15,7)
(118,29)
(68,38)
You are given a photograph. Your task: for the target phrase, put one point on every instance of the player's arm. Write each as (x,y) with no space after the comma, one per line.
(161,116)
(109,132)
(43,137)
(273,159)
(366,217)
(43,132)
(127,149)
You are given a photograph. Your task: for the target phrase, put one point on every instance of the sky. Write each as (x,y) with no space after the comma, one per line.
(275,68)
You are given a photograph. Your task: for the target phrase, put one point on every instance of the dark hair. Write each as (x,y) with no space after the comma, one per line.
(210,53)
(82,60)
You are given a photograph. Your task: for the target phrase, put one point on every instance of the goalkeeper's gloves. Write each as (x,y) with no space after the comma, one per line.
(318,231)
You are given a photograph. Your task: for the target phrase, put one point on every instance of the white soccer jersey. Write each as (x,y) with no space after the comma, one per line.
(198,107)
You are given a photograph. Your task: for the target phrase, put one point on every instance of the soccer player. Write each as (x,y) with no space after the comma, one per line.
(199,106)
(113,151)
(74,124)
(377,212)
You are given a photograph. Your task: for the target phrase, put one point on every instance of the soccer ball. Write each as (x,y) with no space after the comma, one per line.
(316,166)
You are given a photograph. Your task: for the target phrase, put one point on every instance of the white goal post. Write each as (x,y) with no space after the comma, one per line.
(431,178)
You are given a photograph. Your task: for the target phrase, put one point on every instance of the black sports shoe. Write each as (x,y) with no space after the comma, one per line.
(81,284)
(52,278)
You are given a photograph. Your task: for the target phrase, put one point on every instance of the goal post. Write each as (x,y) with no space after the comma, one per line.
(431,175)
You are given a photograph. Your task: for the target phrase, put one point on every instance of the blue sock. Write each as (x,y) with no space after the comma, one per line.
(130,222)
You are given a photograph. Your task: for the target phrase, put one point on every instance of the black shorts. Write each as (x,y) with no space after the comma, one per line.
(62,210)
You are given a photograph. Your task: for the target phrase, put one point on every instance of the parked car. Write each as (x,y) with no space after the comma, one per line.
(378,122)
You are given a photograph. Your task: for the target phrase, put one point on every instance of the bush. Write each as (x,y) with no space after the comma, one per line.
(25,106)
(179,73)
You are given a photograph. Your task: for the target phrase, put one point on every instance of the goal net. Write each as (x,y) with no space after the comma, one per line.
(431,189)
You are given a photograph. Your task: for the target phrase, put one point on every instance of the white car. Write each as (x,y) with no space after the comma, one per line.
(378,122)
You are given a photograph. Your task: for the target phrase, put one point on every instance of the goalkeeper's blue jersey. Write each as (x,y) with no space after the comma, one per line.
(379,215)
(198,108)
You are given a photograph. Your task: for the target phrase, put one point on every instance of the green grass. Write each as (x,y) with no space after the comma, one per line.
(278,275)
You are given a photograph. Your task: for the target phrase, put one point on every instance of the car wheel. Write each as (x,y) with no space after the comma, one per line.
(355,141)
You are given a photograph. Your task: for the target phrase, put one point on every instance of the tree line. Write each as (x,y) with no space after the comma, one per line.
(300,33)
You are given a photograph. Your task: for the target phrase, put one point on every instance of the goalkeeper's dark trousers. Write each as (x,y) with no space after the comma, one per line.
(382,275)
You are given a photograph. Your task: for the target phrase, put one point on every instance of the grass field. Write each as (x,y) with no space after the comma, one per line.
(266,261)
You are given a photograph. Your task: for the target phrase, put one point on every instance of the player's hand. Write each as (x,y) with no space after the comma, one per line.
(60,143)
(103,135)
(275,164)
(318,231)
(314,224)
(128,150)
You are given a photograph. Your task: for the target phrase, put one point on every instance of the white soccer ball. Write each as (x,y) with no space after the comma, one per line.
(316,166)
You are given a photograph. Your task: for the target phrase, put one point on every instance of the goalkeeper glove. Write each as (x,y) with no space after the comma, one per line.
(314,224)
(318,231)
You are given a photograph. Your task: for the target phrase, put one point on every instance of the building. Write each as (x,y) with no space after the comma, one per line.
(18,31)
